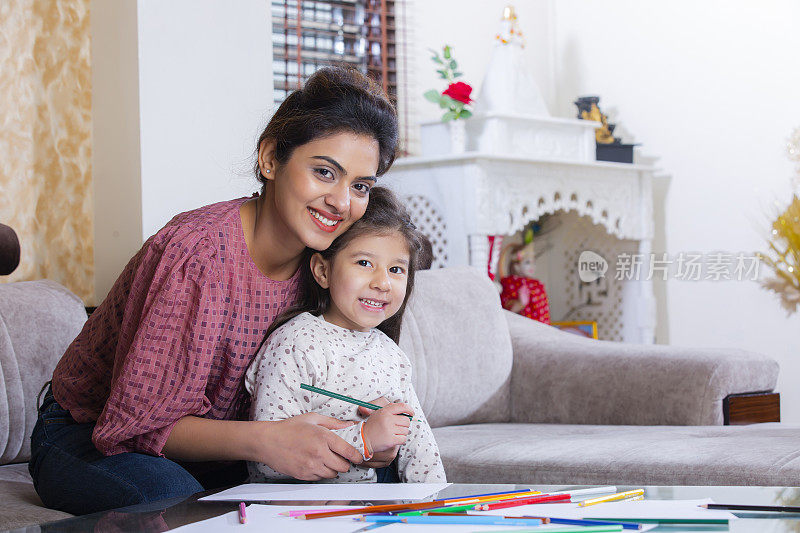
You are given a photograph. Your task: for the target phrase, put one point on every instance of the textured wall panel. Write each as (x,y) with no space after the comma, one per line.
(45,140)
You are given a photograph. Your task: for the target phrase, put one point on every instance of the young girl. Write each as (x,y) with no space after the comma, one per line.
(341,337)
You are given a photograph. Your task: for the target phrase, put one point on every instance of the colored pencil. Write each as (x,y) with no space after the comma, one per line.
(612,497)
(592,522)
(308,511)
(489,494)
(737,507)
(373,509)
(447,509)
(498,496)
(523,501)
(345,398)
(242,513)
(587,529)
(453,519)
(439,504)
(593,490)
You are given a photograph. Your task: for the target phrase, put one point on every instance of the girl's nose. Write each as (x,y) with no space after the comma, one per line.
(380,281)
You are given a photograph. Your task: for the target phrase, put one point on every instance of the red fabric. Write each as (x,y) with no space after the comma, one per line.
(175,335)
(537,308)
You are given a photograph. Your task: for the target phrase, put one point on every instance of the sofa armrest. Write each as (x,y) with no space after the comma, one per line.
(561,378)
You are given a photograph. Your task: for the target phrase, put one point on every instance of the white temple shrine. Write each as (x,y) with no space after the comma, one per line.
(518,164)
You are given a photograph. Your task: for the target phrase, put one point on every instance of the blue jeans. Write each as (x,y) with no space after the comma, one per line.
(71,475)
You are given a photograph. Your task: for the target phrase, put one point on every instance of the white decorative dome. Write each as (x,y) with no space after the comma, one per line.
(508,86)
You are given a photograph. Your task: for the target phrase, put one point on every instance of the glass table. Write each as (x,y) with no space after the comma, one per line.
(169,514)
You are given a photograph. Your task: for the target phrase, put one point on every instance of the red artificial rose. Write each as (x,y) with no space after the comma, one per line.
(459,91)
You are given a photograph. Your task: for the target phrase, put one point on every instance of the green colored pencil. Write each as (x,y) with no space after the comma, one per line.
(345,398)
(444,509)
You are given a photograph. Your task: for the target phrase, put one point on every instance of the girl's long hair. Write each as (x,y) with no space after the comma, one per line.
(384,215)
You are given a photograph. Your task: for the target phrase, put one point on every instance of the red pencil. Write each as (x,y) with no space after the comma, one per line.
(524,501)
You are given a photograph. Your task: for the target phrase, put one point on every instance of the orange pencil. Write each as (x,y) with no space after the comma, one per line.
(375,509)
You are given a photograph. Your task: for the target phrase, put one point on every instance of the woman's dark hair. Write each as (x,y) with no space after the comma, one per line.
(385,214)
(333,100)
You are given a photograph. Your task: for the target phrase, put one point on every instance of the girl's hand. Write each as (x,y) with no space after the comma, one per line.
(384,458)
(387,427)
(302,447)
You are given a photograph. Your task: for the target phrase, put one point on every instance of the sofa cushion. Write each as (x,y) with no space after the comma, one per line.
(456,335)
(759,454)
(21,505)
(38,320)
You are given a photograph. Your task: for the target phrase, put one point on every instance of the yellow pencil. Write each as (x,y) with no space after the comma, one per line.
(494,497)
(612,497)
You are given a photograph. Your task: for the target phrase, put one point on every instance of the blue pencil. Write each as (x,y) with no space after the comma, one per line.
(466,519)
(578,522)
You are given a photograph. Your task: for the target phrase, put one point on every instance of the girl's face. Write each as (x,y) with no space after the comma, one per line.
(366,279)
(324,186)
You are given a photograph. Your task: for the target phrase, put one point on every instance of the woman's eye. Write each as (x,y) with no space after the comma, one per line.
(363,188)
(397,270)
(324,172)
(364,263)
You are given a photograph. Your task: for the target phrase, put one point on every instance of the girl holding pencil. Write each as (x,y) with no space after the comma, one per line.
(341,336)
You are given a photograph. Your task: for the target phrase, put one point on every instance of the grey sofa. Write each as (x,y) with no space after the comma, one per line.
(510,400)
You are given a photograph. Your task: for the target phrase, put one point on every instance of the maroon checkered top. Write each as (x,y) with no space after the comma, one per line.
(175,335)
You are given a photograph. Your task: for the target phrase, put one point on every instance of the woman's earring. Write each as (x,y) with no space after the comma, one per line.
(268,171)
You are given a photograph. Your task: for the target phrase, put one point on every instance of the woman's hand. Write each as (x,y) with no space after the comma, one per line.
(387,427)
(384,458)
(302,447)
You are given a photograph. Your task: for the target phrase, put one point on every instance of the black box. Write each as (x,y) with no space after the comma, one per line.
(616,153)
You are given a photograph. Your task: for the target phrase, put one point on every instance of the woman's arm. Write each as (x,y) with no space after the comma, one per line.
(301,446)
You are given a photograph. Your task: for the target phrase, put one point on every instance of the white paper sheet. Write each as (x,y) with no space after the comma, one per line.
(643,509)
(267,518)
(327,492)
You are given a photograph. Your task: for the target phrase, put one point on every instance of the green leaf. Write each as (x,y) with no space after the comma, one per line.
(447,50)
(457,74)
(450,115)
(453,64)
(465,113)
(446,102)
(436,59)
(432,96)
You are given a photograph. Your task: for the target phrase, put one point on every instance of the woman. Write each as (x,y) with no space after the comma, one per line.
(155,378)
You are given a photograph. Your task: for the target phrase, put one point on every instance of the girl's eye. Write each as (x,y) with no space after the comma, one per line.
(363,263)
(397,270)
(362,188)
(324,172)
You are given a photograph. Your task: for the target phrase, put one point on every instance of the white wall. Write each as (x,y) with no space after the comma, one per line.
(181,91)
(709,87)
(205,85)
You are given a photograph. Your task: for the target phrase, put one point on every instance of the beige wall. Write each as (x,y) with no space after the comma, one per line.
(116,161)
(46,139)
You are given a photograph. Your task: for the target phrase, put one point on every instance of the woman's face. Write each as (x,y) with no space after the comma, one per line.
(324,186)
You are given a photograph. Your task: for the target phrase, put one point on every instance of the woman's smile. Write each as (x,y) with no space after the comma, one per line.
(326,221)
